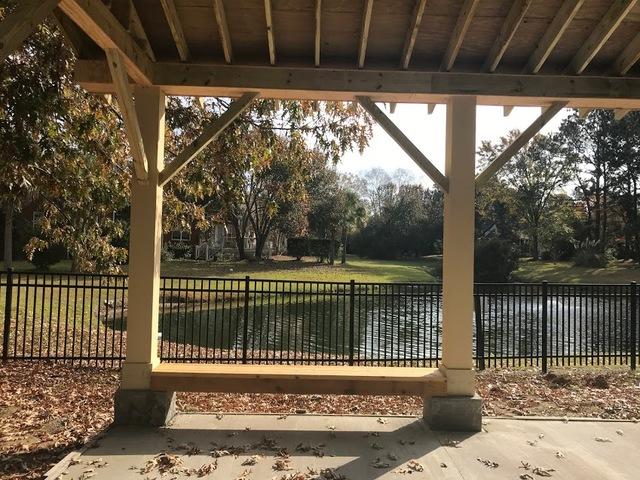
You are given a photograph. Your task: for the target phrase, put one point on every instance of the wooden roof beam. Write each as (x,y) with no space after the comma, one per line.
(223,28)
(584,112)
(128,111)
(403,142)
(620,113)
(511,23)
(126,13)
(209,134)
(364,32)
(103,27)
(16,27)
(412,33)
(462,25)
(600,34)
(552,35)
(271,40)
(628,58)
(520,141)
(318,35)
(171,14)
(507,109)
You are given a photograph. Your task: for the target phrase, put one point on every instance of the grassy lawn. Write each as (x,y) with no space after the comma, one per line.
(566,272)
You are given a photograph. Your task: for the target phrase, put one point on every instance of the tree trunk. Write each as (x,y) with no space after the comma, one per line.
(535,247)
(239,240)
(344,246)
(8,234)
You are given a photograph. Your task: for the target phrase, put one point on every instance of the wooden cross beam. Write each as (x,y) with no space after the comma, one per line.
(208,135)
(128,111)
(518,143)
(177,31)
(412,33)
(511,23)
(462,25)
(551,37)
(600,34)
(403,142)
(223,28)
(16,27)
(103,27)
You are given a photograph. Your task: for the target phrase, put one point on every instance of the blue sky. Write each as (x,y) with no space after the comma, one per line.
(428,133)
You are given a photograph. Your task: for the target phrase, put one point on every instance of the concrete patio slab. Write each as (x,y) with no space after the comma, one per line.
(358,447)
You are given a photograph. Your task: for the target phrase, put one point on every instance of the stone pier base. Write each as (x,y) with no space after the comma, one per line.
(144,407)
(462,414)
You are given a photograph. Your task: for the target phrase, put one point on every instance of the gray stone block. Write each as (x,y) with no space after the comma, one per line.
(459,414)
(144,407)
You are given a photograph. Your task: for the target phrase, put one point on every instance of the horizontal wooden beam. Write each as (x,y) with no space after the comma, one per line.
(207,136)
(103,27)
(16,27)
(128,111)
(518,143)
(552,35)
(382,85)
(403,142)
(600,34)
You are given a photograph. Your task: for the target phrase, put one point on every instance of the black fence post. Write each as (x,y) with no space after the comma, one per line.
(245,325)
(352,294)
(479,333)
(545,321)
(633,318)
(7,315)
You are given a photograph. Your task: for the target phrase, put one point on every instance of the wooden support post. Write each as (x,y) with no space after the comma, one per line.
(519,142)
(403,142)
(144,248)
(458,246)
(16,27)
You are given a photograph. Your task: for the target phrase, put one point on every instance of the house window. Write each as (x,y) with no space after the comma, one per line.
(180,236)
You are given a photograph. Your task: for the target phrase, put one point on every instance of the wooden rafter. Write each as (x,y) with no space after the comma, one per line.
(403,142)
(628,58)
(138,32)
(364,32)
(392,107)
(620,113)
(600,34)
(511,23)
(318,35)
(507,109)
(171,14)
(412,33)
(552,35)
(76,38)
(209,134)
(457,37)
(271,40)
(520,141)
(223,28)
(431,108)
(15,28)
(104,29)
(584,112)
(128,111)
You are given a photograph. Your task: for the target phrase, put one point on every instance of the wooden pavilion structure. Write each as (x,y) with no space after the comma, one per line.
(462,53)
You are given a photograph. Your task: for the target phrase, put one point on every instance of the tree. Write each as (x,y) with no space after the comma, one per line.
(536,173)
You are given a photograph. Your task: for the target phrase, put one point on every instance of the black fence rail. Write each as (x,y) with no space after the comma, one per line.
(82,318)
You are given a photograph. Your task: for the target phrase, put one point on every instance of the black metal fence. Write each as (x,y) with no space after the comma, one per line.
(82,318)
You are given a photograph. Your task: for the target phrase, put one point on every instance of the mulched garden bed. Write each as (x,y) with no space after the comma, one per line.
(47,410)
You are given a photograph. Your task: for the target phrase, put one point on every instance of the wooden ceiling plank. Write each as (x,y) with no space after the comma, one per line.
(95,19)
(271,40)
(318,35)
(177,32)
(223,28)
(209,134)
(412,33)
(403,142)
(552,35)
(519,142)
(16,27)
(628,58)
(128,112)
(457,37)
(600,34)
(511,23)
(364,32)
